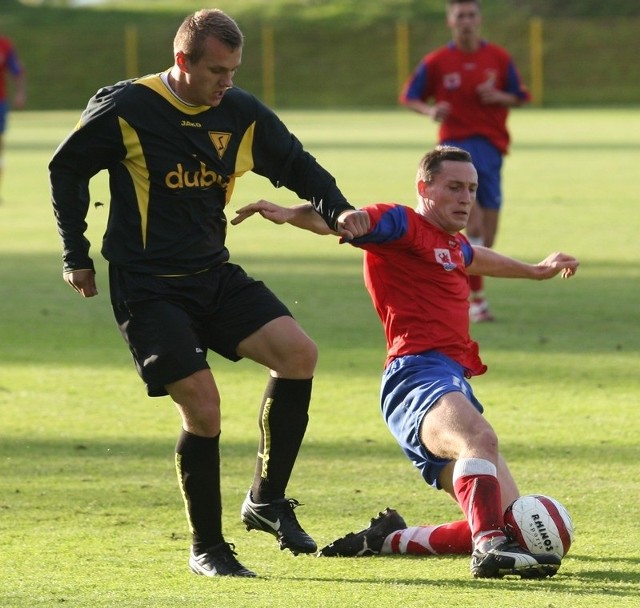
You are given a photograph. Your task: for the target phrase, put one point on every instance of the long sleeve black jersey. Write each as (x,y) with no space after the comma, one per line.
(172,169)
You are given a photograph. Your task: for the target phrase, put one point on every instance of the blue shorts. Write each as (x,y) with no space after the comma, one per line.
(487,160)
(411,385)
(4,109)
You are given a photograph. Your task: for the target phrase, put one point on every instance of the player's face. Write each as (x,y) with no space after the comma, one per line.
(447,200)
(464,21)
(211,76)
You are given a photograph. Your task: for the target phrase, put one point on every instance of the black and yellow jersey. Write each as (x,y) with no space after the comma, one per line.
(172,169)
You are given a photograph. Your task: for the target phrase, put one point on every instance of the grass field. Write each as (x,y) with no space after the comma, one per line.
(90,514)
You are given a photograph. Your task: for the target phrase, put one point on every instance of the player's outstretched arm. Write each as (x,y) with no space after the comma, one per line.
(556,263)
(301,216)
(351,224)
(487,262)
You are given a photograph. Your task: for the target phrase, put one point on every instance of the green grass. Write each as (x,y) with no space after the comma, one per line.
(327,54)
(90,514)
(350,8)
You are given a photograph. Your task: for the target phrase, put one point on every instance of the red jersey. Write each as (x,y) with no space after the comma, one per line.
(8,61)
(450,74)
(416,276)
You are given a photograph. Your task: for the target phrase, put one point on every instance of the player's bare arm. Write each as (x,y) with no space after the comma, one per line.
(490,95)
(301,216)
(351,224)
(487,262)
(438,111)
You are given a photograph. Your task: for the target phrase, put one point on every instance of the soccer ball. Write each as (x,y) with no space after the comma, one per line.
(540,524)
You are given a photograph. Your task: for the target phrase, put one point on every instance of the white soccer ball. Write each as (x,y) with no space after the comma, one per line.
(540,524)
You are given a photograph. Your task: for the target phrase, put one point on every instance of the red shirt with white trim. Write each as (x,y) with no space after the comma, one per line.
(450,74)
(416,276)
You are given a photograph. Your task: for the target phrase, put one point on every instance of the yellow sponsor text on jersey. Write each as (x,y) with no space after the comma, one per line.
(204,178)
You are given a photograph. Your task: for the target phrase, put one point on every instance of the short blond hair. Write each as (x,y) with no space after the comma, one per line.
(203,24)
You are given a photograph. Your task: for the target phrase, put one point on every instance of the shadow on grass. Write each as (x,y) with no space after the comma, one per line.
(98,481)
(588,584)
(43,322)
(345,452)
(45,451)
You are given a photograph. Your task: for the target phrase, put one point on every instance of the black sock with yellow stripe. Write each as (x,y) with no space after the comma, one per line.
(198,468)
(283,421)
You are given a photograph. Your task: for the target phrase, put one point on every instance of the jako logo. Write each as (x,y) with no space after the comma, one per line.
(193,179)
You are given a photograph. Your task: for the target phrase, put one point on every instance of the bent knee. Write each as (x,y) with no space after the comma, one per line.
(486,441)
(300,361)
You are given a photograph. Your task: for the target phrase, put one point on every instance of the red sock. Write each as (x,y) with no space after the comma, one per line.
(453,538)
(445,539)
(478,492)
(476,283)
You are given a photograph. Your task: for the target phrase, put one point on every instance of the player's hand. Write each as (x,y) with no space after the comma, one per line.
(489,95)
(352,224)
(440,111)
(270,211)
(83,281)
(19,101)
(557,263)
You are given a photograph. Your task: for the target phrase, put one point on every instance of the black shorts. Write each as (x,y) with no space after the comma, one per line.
(170,323)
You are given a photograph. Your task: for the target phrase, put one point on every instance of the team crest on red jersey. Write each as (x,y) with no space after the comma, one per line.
(220,141)
(451,80)
(443,256)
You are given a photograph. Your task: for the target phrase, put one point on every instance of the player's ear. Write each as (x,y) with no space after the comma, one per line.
(181,61)
(423,188)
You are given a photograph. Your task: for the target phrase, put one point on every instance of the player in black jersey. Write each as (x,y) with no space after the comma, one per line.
(173,144)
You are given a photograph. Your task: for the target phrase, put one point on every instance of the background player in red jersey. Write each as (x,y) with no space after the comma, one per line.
(415,269)
(468,87)
(174,143)
(9,64)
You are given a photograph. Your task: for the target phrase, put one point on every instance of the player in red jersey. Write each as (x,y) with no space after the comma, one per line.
(9,63)
(468,87)
(416,267)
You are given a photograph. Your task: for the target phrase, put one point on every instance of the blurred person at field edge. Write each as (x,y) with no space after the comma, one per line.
(416,267)
(9,63)
(174,144)
(468,87)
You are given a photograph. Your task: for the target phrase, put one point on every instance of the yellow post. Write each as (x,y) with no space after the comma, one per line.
(536,51)
(131,51)
(268,66)
(402,52)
